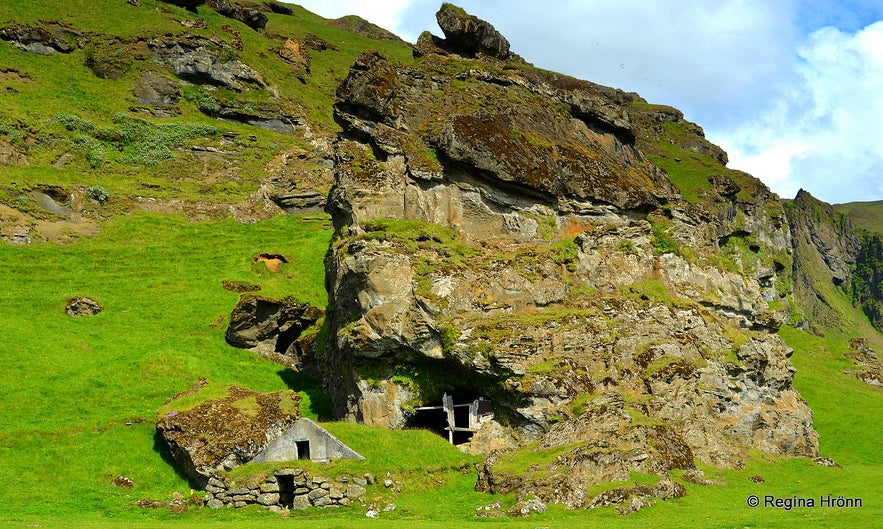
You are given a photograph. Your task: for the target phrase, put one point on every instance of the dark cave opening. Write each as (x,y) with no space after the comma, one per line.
(286,491)
(434,417)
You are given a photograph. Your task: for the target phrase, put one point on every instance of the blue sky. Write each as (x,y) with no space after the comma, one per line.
(791,89)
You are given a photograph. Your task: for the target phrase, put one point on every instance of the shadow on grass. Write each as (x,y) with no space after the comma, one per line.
(320,402)
(161,448)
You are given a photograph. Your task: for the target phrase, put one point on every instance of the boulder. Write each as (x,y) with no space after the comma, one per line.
(82,306)
(469,34)
(270,324)
(223,433)
(248,13)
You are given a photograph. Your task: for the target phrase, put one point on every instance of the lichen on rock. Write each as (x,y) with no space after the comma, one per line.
(501,234)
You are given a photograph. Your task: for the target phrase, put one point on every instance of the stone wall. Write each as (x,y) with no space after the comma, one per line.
(287,489)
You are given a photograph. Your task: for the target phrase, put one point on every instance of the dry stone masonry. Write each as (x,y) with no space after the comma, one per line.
(288,489)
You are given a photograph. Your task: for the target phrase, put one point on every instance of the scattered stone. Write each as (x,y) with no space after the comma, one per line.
(527,507)
(756,479)
(122,481)
(493,510)
(194,23)
(239,286)
(666,489)
(826,462)
(82,306)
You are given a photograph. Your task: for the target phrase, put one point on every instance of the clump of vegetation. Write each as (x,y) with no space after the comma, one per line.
(98,193)
(662,240)
(137,140)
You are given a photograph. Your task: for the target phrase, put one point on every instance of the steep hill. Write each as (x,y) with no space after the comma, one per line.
(646,323)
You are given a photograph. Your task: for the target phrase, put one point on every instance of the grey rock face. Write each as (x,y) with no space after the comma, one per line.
(156,90)
(205,61)
(501,235)
(42,39)
(470,34)
(270,324)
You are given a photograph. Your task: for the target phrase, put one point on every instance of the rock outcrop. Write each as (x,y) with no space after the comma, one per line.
(223,433)
(42,39)
(825,252)
(272,326)
(203,60)
(501,234)
(469,35)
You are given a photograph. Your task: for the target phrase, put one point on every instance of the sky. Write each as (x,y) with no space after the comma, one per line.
(791,89)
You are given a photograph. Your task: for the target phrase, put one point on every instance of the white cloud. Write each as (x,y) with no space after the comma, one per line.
(791,109)
(387,14)
(825,131)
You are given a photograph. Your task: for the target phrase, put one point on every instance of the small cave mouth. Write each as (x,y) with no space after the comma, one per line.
(286,491)
(457,417)
(286,338)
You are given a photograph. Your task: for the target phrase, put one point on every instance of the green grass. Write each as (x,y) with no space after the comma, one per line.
(70,385)
(61,84)
(78,397)
(864,215)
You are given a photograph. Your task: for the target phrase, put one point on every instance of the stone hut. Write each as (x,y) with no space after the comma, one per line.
(305,440)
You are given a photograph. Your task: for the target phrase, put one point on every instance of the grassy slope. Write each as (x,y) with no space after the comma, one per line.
(69,386)
(864,215)
(61,84)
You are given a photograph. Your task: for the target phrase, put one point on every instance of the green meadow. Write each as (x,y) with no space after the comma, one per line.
(79,396)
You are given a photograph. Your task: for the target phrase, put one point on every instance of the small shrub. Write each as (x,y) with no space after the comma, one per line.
(662,241)
(98,193)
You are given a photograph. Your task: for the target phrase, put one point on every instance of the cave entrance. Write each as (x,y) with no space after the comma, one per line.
(457,422)
(286,491)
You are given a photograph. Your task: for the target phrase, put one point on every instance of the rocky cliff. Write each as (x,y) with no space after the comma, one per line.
(501,232)
(579,256)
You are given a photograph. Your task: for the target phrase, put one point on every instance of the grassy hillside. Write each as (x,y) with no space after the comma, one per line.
(864,215)
(79,396)
(44,95)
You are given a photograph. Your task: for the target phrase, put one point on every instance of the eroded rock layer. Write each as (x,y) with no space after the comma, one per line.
(501,234)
